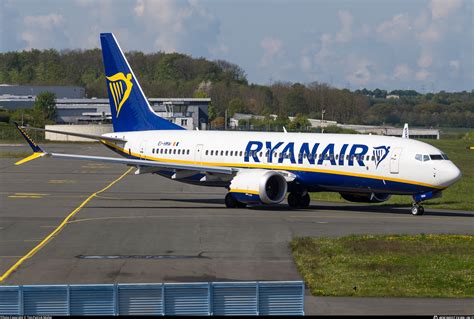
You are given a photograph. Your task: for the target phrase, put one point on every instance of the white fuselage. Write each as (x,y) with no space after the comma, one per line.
(334,162)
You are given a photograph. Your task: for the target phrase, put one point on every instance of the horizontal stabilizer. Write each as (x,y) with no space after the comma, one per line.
(90,136)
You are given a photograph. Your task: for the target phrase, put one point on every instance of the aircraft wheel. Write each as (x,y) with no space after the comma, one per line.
(230,201)
(305,201)
(294,200)
(417,210)
(241,205)
(422,210)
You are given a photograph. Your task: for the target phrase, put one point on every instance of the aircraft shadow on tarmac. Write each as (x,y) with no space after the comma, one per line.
(377,209)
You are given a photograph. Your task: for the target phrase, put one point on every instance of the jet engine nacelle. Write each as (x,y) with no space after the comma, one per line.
(366,197)
(258,186)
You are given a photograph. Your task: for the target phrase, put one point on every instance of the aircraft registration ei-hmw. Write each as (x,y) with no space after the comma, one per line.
(259,167)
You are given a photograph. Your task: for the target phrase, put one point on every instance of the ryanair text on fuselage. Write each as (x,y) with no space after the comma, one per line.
(347,154)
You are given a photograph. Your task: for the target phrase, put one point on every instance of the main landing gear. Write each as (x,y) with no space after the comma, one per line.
(299,200)
(231,202)
(417,209)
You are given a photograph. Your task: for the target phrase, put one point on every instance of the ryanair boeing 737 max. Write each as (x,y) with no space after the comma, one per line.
(260,167)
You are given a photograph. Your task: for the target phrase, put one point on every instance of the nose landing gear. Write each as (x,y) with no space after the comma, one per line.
(417,209)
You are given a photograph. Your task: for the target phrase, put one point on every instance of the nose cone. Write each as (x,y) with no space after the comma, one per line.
(451,174)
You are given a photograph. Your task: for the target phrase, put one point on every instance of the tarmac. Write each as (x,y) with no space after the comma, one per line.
(145,228)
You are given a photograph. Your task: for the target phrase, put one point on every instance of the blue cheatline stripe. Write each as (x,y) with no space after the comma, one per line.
(209,298)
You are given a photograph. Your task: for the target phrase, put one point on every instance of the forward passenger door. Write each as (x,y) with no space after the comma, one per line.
(395,160)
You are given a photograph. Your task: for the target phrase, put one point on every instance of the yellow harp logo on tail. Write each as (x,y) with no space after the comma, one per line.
(120,86)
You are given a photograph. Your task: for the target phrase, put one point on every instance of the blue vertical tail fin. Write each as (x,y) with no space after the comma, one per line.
(129,106)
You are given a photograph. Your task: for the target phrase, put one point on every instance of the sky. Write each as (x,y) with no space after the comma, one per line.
(425,45)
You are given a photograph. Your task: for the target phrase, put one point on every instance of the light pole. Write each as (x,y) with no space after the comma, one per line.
(322,119)
(225,120)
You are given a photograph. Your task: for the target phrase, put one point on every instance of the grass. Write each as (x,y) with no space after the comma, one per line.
(387,265)
(457,196)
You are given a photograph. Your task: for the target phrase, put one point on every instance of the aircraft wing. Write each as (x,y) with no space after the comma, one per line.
(39,152)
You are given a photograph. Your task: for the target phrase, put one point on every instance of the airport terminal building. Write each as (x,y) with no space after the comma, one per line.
(74,108)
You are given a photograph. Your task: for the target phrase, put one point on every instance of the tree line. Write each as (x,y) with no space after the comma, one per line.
(179,75)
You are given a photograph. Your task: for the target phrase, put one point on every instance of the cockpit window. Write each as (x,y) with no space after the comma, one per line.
(426,158)
(436,157)
(419,157)
(445,156)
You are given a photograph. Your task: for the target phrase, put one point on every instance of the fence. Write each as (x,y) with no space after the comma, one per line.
(216,298)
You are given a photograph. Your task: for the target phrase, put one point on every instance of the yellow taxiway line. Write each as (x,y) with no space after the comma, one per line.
(59,228)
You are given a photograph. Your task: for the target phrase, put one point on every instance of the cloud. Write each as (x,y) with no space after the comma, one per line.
(425,60)
(402,72)
(178,26)
(306,64)
(431,34)
(444,8)
(455,64)
(395,29)
(219,49)
(10,23)
(46,22)
(271,47)
(43,31)
(85,3)
(422,75)
(347,20)
(361,74)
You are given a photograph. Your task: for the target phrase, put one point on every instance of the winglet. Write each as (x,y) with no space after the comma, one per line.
(37,151)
